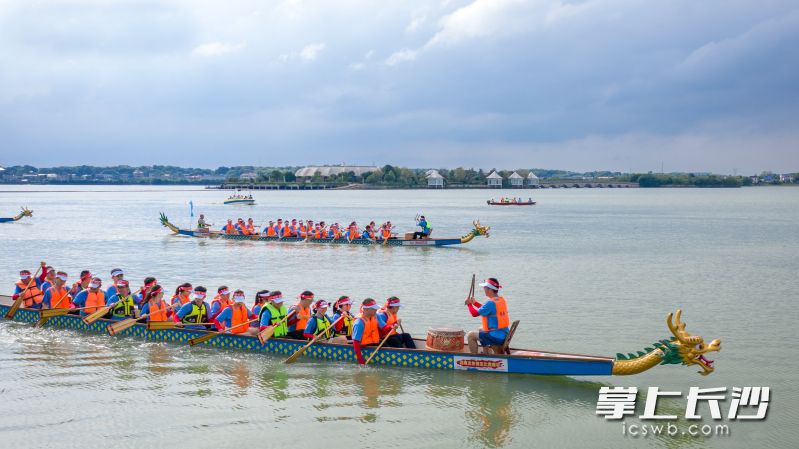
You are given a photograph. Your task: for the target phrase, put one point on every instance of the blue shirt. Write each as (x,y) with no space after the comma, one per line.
(48,298)
(359,326)
(310,328)
(112,291)
(489,309)
(226,317)
(423,224)
(185,309)
(80,300)
(256,309)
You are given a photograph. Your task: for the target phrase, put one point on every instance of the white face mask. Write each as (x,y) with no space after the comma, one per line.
(238,298)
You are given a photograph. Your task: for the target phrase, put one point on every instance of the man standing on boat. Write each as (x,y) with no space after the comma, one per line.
(202,225)
(426,229)
(494,313)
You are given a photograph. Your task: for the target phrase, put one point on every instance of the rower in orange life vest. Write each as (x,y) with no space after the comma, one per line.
(57,296)
(229,228)
(82,284)
(154,305)
(195,311)
(269,230)
(241,226)
(250,226)
(342,307)
(32,296)
(92,299)
(122,304)
(300,319)
(366,330)
(388,314)
(494,313)
(234,317)
(182,294)
(321,323)
(220,301)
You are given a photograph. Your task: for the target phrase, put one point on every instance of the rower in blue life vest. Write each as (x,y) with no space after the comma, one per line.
(426,229)
(494,313)
(195,311)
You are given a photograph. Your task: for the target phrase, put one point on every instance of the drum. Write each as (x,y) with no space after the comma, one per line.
(445,339)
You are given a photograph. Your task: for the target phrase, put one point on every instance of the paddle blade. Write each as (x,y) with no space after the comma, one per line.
(49,313)
(41,322)
(91,318)
(161,325)
(14,307)
(266,334)
(296,355)
(203,339)
(120,326)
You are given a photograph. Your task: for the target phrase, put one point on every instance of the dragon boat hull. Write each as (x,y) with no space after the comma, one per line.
(6,219)
(430,242)
(239,201)
(532,362)
(527,203)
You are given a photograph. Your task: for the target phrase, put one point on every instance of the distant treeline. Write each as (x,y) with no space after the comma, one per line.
(689,180)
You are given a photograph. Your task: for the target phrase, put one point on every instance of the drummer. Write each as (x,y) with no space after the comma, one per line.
(388,315)
(494,313)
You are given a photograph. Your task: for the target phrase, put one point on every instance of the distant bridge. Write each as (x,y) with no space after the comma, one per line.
(582,184)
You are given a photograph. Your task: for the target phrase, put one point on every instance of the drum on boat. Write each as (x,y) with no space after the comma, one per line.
(445,339)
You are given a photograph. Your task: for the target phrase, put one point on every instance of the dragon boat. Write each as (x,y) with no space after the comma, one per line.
(681,348)
(25,213)
(502,203)
(238,200)
(406,240)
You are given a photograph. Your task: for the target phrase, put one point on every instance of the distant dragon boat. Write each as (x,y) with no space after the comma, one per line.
(406,240)
(509,203)
(240,200)
(25,213)
(680,349)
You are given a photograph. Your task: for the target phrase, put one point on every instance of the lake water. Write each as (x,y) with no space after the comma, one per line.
(592,271)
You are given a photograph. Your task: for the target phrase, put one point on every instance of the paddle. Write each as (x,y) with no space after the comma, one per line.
(43,321)
(18,302)
(50,313)
(267,333)
(204,338)
(378,347)
(101,312)
(301,351)
(128,323)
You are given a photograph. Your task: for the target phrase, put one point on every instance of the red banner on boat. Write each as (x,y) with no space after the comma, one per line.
(480,364)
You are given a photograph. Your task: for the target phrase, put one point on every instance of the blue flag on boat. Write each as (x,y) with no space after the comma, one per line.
(191,208)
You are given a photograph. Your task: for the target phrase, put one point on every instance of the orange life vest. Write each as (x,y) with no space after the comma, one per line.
(181,298)
(94,300)
(303,314)
(270,231)
(32,295)
(240,316)
(386,233)
(503,320)
(317,233)
(229,229)
(391,319)
(286,230)
(371,331)
(157,311)
(251,228)
(244,230)
(57,297)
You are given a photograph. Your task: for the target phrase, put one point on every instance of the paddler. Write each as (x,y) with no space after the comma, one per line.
(57,296)
(273,313)
(49,278)
(229,228)
(195,311)
(366,330)
(116,275)
(342,307)
(388,315)
(220,301)
(300,319)
(149,282)
(494,313)
(269,230)
(29,288)
(90,299)
(82,284)
(202,225)
(235,315)
(154,305)
(279,227)
(241,226)
(182,294)
(122,304)
(260,300)
(426,229)
(321,323)
(250,226)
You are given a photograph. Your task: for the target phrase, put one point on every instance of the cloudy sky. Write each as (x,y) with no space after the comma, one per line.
(708,85)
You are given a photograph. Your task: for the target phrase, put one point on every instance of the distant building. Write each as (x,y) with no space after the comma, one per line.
(755,179)
(435,180)
(786,178)
(138,174)
(494,180)
(516,180)
(248,176)
(532,179)
(328,171)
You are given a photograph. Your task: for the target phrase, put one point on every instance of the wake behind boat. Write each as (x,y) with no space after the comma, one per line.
(681,348)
